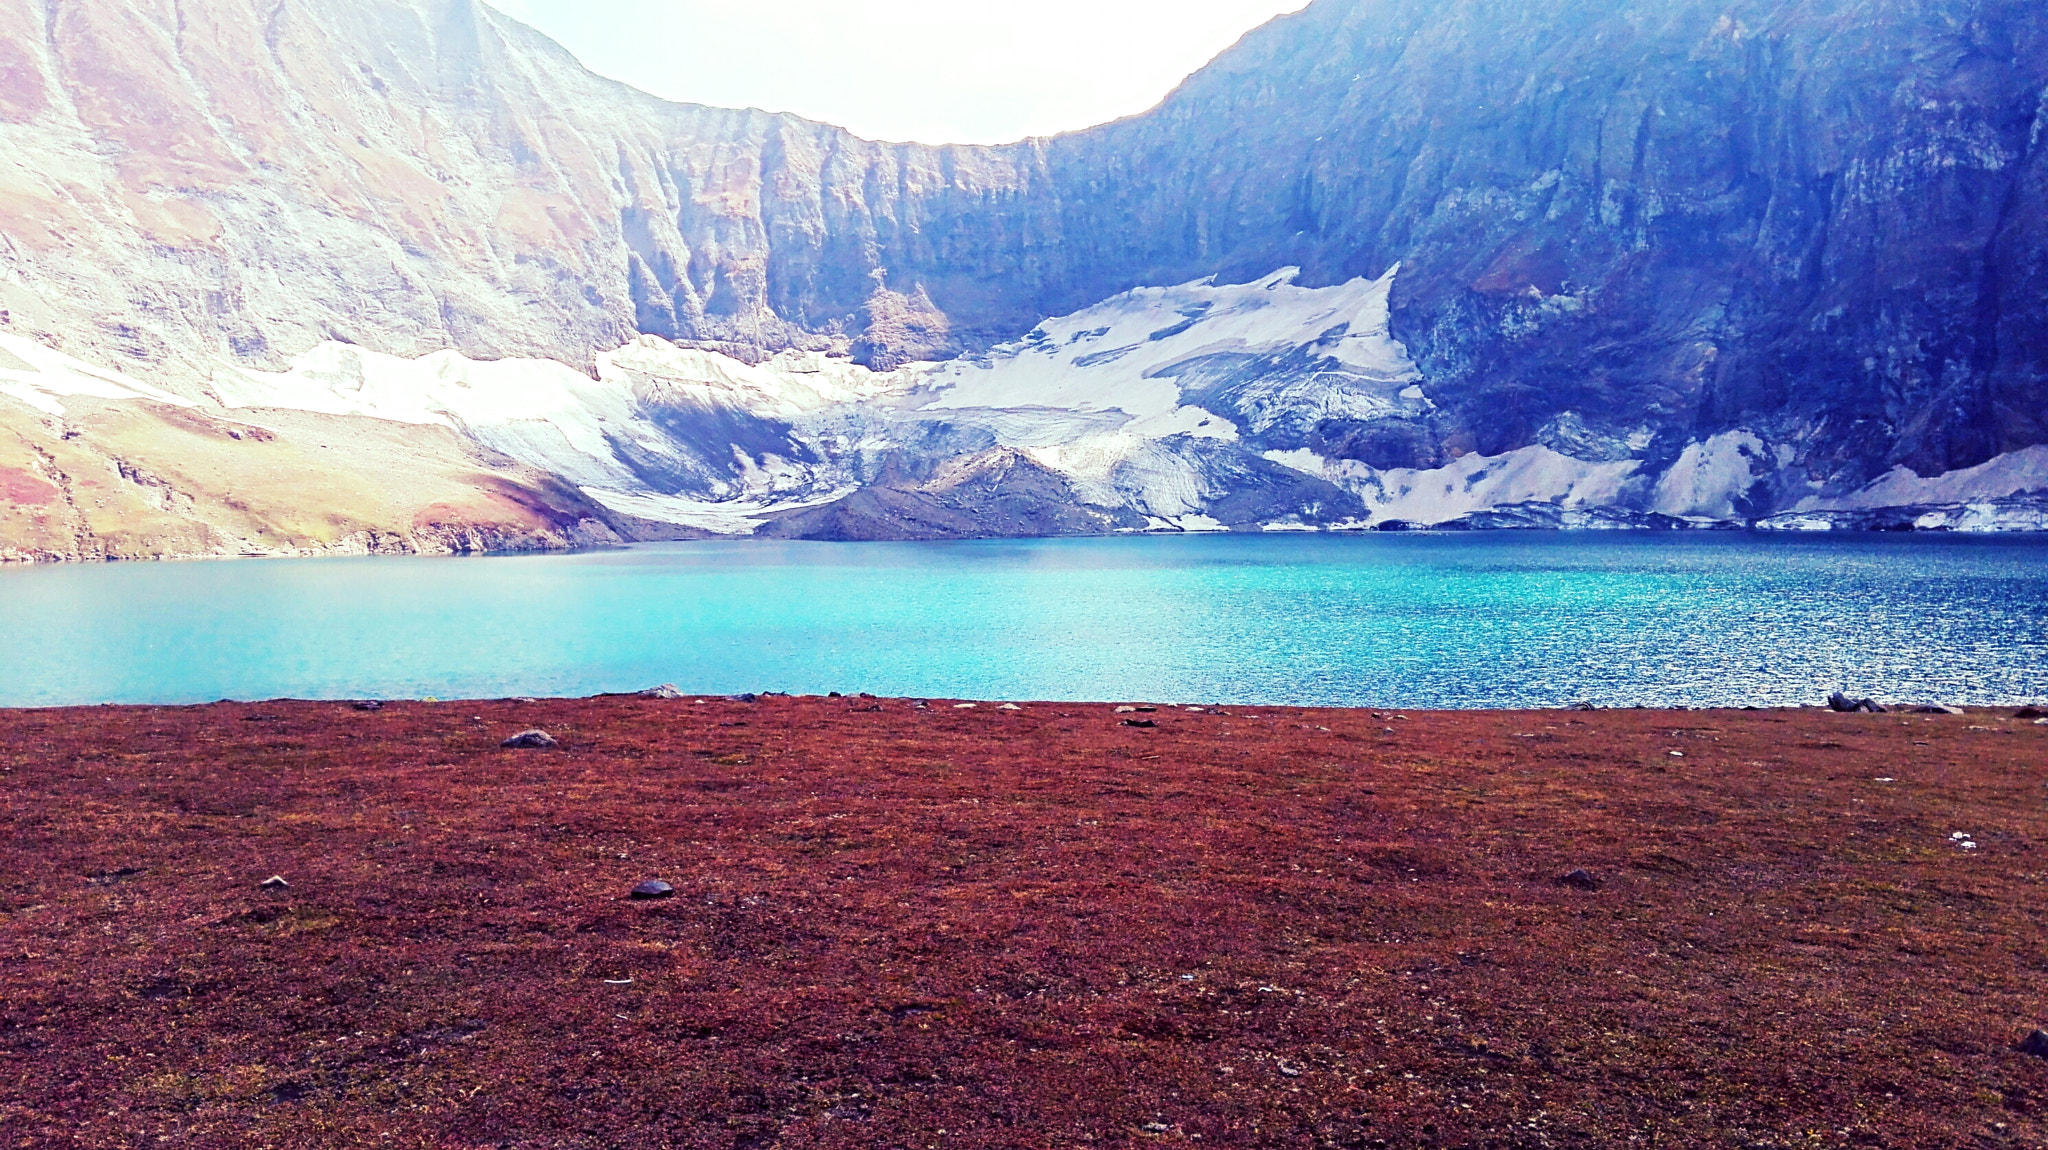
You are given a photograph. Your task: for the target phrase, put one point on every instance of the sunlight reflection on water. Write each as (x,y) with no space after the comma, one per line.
(1481,620)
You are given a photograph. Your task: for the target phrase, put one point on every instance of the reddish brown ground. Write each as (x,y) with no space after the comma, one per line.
(25,489)
(961,928)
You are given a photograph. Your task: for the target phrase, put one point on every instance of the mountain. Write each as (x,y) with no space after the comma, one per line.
(1582,262)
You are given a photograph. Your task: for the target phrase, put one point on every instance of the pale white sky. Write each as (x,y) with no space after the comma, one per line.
(935,71)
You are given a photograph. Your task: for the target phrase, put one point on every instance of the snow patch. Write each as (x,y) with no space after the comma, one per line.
(43,377)
(535,410)
(736,517)
(1477,483)
(1714,478)
(2023,472)
(1300,459)
(553,417)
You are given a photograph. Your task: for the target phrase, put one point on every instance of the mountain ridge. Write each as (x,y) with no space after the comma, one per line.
(1796,244)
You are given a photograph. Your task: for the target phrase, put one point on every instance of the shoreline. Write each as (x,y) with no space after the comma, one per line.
(15,559)
(2036,708)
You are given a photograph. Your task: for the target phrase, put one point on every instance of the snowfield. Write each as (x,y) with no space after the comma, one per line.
(1196,407)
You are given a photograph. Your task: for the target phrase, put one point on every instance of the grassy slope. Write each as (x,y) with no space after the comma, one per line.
(134,480)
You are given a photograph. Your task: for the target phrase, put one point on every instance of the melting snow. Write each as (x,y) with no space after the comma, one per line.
(43,377)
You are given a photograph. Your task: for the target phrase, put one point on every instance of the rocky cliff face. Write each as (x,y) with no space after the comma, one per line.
(1723,259)
(184,182)
(1823,220)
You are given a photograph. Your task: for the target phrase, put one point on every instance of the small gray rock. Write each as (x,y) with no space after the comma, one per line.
(653,888)
(535,740)
(1582,706)
(665,691)
(369,705)
(1581,879)
(1936,709)
(1140,723)
(743,697)
(274,882)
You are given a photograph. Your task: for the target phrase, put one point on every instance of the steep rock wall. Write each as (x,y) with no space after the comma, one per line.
(1625,226)
(1820,218)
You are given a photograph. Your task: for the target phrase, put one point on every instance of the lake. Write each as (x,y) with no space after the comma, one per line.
(1430,620)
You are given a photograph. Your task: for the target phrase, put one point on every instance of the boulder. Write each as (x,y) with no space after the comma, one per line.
(534,740)
(1843,703)
(743,697)
(2030,713)
(1935,709)
(652,888)
(2035,1044)
(1581,879)
(274,882)
(664,691)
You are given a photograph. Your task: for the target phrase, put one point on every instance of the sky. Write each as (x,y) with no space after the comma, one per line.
(932,71)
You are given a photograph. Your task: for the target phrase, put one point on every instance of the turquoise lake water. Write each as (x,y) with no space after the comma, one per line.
(1453,620)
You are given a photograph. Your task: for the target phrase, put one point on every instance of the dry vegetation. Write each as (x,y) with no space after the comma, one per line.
(116,480)
(978,928)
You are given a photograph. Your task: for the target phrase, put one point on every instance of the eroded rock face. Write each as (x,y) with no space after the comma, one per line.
(1626,227)
(233,179)
(1822,220)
